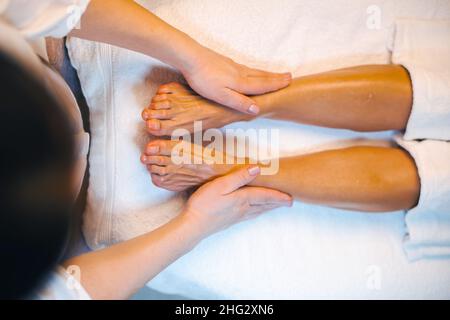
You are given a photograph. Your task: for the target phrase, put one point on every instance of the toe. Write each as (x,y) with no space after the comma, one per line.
(158,170)
(158,180)
(160,114)
(163,182)
(145,114)
(156,113)
(161,147)
(160,128)
(165,88)
(159,97)
(153,125)
(165,104)
(173,87)
(156,160)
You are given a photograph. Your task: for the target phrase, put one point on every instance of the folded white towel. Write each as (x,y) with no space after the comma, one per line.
(302,252)
(423,47)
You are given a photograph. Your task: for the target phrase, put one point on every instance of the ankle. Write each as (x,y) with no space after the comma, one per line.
(229,166)
(265,103)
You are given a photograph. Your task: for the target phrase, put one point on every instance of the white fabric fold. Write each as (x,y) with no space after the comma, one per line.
(423,47)
(428,224)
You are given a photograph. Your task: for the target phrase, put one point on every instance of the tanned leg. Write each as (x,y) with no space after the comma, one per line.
(363,98)
(373,179)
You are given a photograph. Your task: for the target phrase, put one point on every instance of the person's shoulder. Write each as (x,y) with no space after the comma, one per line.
(45,18)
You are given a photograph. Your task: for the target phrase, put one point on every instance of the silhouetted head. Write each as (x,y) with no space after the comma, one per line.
(36,166)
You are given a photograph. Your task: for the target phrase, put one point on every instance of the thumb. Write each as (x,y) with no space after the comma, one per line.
(236,179)
(237,101)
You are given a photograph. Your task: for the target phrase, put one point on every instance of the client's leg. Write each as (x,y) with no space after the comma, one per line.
(357,178)
(364,98)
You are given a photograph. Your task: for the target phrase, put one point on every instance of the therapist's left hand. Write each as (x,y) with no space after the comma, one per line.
(226,82)
(227,200)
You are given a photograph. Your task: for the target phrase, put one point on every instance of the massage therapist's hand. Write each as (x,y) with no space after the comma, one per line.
(127,24)
(226,201)
(226,82)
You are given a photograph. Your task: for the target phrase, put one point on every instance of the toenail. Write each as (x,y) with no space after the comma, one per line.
(153,149)
(154,125)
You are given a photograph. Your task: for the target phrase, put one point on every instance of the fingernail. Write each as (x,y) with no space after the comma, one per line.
(288,201)
(154,125)
(285,204)
(143,159)
(254,171)
(145,115)
(153,149)
(254,109)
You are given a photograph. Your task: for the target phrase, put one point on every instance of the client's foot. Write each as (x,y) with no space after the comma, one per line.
(177,106)
(199,164)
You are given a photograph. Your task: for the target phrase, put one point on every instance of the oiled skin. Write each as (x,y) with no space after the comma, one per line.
(362,98)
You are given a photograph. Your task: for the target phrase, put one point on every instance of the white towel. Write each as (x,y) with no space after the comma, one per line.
(423,47)
(302,252)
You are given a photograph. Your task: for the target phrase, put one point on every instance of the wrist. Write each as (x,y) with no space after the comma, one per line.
(187,54)
(175,48)
(195,228)
(200,224)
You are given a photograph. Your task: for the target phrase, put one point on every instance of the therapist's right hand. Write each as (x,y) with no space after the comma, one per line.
(227,200)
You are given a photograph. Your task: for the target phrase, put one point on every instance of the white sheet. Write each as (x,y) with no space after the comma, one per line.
(303,252)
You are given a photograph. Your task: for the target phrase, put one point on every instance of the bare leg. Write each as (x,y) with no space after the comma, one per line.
(364,98)
(359,178)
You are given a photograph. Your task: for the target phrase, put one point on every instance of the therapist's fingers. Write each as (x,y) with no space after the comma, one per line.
(260,82)
(266,74)
(237,101)
(261,85)
(235,179)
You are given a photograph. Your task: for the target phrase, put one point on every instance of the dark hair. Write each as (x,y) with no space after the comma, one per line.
(36,161)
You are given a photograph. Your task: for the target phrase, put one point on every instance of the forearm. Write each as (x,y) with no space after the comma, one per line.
(363,98)
(120,270)
(370,179)
(126,24)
